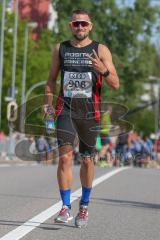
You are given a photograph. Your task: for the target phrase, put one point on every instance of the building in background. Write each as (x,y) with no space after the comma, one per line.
(52,18)
(39,11)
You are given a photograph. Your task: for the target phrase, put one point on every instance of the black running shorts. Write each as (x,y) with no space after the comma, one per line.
(86,130)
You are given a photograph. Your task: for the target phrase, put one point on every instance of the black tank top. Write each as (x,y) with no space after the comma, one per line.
(80,83)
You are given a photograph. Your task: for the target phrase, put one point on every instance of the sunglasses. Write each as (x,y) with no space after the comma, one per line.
(82,23)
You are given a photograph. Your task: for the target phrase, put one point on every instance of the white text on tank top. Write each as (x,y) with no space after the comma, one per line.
(77,84)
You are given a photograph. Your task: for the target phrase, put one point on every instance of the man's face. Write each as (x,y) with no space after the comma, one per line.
(80,26)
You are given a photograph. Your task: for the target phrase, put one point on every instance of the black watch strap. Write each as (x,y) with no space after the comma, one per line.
(106,74)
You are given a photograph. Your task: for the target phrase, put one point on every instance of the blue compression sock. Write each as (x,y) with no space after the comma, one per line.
(85,196)
(65,196)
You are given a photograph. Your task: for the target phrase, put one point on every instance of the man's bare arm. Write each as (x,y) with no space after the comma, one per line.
(106,57)
(50,88)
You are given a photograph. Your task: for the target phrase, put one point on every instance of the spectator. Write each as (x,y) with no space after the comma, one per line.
(43,149)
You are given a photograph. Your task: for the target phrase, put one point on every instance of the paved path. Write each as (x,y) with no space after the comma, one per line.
(125,204)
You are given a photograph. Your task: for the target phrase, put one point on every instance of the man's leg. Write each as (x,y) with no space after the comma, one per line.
(64,176)
(105,141)
(86,176)
(65,136)
(87,150)
(64,171)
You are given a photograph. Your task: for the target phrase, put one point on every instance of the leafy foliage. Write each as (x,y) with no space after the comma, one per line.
(127,31)
(38,60)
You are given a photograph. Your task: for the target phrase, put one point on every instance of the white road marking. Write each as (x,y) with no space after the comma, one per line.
(34,222)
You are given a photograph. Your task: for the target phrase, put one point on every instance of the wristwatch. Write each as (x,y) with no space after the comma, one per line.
(106,73)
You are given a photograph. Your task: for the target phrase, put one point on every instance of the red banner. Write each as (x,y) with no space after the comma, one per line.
(34,11)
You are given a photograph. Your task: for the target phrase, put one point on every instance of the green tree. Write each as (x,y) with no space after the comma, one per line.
(127,31)
(145,123)
(38,61)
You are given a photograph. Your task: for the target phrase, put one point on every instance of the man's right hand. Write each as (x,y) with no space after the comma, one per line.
(48,110)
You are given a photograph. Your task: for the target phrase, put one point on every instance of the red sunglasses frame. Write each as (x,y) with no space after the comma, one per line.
(83,23)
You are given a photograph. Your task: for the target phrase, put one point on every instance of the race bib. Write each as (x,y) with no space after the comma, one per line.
(77,85)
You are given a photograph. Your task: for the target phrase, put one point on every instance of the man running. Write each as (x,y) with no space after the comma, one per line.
(82,63)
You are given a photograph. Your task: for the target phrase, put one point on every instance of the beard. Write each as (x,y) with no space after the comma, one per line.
(77,37)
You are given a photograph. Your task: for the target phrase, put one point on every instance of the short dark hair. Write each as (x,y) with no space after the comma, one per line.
(81,11)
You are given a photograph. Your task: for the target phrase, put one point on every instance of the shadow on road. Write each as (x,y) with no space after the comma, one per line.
(125,203)
(44,226)
(26,196)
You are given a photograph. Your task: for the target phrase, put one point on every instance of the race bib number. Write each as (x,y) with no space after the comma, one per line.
(77,85)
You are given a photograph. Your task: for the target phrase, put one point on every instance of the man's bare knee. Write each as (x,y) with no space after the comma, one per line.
(65,155)
(87,161)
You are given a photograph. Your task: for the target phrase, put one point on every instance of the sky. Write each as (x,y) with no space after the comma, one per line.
(131,2)
(126,2)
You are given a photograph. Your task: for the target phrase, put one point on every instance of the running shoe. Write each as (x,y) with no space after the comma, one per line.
(64,215)
(102,163)
(81,219)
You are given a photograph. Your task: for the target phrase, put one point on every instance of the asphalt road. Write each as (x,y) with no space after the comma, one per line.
(124,206)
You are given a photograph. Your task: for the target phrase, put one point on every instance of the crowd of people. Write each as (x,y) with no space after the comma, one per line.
(127,149)
(28,148)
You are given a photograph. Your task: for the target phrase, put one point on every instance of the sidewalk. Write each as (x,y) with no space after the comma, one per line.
(15,161)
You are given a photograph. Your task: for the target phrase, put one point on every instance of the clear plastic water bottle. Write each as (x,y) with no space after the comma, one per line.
(49,119)
(50,125)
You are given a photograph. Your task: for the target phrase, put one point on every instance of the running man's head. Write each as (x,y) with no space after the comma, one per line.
(80,24)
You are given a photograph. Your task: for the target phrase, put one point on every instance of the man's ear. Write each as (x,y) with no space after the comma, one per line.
(70,25)
(91,27)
